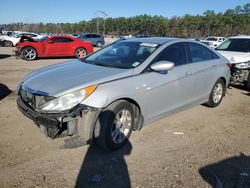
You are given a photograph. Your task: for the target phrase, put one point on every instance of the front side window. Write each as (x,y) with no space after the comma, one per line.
(198,53)
(174,53)
(61,39)
(123,54)
(237,45)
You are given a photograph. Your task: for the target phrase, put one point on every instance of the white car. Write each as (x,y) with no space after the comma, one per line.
(237,51)
(213,42)
(13,39)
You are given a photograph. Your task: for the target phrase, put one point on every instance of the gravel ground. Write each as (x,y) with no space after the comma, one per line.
(213,146)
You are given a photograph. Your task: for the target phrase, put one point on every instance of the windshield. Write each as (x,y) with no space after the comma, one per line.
(236,45)
(123,54)
(42,39)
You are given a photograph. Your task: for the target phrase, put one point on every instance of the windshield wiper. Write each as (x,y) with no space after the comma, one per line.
(104,65)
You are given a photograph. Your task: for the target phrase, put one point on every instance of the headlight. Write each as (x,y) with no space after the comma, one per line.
(244,65)
(67,101)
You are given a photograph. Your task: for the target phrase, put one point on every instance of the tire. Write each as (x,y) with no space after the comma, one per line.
(247,84)
(114,125)
(79,51)
(47,131)
(29,53)
(99,44)
(8,43)
(217,93)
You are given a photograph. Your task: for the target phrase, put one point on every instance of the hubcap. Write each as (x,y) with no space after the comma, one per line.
(29,54)
(121,126)
(217,93)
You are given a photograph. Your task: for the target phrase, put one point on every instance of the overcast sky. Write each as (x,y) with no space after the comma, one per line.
(57,11)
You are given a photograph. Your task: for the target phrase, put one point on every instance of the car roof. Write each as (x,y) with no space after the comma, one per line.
(214,37)
(240,37)
(157,40)
(63,36)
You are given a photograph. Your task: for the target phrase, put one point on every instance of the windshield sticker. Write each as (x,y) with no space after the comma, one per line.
(153,45)
(135,64)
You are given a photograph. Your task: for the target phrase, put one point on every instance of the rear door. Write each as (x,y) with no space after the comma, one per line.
(204,63)
(58,46)
(89,38)
(165,92)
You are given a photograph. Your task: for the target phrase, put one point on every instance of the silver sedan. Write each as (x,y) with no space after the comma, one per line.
(121,88)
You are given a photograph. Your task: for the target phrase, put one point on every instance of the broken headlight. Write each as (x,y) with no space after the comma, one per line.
(67,101)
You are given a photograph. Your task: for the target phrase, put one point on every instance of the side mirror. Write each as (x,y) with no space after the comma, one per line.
(162,66)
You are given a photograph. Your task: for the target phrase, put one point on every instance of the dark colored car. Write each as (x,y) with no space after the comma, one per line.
(95,39)
(53,46)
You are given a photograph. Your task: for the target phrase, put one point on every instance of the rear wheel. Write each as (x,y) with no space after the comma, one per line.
(8,43)
(29,53)
(114,125)
(217,93)
(99,44)
(80,52)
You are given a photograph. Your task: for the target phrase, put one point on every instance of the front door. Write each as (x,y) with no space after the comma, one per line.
(165,92)
(57,46)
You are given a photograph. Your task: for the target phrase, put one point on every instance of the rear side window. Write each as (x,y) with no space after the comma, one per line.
(96,36)
(88,36)
(199,53)
(175,53)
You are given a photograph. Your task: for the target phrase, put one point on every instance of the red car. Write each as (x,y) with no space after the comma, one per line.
(53,46)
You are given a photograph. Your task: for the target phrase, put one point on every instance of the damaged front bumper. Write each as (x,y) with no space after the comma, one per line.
(78,123)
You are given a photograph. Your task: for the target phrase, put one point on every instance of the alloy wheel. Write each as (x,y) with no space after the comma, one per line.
(122,125)
(217,93)
(29,54)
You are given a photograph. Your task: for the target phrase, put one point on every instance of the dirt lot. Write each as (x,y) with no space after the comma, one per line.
(214,145)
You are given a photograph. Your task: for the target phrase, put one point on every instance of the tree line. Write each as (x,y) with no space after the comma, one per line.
(231,22)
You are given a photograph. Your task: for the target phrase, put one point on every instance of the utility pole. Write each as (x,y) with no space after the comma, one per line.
(100,16)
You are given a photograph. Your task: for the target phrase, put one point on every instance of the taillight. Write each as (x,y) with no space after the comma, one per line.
(229,65)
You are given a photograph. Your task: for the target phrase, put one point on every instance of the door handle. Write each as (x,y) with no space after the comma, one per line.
(188,74)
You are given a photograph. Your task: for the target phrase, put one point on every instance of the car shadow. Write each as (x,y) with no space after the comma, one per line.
(240,87)
(3,56)
(45,58)
(102,168)
(229,173)
(4,91)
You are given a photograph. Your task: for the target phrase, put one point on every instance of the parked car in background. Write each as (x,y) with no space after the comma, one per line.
(95,39)
(12,40)
(213,42)
(237,51)
(122,87)
(53,46)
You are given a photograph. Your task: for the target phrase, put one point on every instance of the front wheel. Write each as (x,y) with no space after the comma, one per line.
(29,53)
(114,125)
(217,93)
(80,53)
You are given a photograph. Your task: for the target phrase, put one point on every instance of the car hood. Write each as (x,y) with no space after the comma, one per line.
(59,79)
(235,57)
(25,38)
